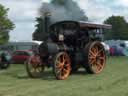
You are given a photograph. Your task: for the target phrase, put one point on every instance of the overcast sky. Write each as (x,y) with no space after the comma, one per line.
(23,13)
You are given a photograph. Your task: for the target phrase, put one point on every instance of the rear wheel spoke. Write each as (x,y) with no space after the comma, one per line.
(96,48)
(100,66)
(101,58)
(92,53)
(92,61)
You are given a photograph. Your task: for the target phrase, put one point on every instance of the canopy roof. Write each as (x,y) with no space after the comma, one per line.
(94,25)
(83,24)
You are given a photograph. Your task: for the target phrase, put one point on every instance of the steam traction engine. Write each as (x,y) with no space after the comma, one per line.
(69,44)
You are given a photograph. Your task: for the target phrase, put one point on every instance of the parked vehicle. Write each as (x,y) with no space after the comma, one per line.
(20,56)
(68,45)
(124,45)
(5,57)
(116,50)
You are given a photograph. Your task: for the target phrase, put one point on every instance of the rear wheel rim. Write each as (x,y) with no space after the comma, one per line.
(62,66)
(34,66)
(97,58)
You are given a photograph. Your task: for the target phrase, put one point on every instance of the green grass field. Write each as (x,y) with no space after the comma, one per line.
(113,81)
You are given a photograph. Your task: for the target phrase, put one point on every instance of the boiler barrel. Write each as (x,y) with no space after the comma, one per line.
(48,48)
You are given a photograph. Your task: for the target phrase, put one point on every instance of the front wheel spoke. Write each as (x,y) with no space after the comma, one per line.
(63,58)
(60,65)
(37,70)
(64,70)
(58,71)
(40,68)
(58,62)
(66,65)
(33,70)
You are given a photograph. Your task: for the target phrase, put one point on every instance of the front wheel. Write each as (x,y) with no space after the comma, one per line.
(62,65)
(34,66)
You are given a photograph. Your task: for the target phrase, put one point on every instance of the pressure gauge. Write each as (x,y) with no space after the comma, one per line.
(61,37)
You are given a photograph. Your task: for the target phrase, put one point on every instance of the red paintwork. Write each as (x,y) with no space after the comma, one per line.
(16,58)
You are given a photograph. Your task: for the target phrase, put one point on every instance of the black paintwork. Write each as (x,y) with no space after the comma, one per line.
(76,36)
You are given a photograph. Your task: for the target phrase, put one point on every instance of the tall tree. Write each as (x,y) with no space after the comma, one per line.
(5,25)
(60,10)
(119,28)
(39,29)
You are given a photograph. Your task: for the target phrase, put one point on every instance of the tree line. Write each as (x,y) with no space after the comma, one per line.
(5,24)
(119,29)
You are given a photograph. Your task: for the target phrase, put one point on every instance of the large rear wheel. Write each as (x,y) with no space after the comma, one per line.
(62,65)
(34,66)
(95,57)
